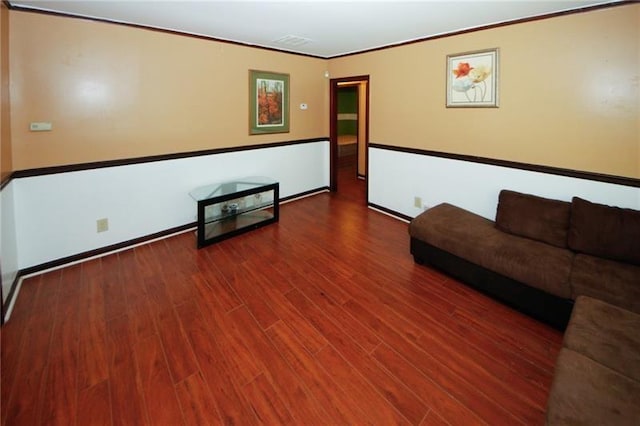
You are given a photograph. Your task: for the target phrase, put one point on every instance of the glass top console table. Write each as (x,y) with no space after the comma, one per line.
(227,209)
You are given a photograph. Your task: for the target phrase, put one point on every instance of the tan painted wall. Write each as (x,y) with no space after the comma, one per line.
(118,92)
(6,166)
(569,93)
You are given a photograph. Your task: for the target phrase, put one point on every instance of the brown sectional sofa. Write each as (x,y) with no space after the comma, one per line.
(597,376)
(542,256)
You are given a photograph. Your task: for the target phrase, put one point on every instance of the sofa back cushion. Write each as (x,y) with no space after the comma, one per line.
(604,231)
(533,217)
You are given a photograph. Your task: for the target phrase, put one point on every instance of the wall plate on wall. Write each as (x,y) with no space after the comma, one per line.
(40,126)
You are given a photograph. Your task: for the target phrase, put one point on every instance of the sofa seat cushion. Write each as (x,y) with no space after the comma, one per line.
(607,334)
(476,239)
(614,282)
(585,392)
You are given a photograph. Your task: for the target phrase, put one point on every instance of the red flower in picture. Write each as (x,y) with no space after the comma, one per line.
(463,69)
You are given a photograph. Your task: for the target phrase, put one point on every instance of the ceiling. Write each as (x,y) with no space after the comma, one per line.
(324,29)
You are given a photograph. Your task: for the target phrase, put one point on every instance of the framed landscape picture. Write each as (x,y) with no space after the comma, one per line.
(268,102)
(472,79)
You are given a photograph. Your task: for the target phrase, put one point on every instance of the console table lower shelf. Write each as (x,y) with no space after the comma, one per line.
(230,208)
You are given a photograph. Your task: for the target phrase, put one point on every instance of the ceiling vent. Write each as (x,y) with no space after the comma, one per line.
(292,40)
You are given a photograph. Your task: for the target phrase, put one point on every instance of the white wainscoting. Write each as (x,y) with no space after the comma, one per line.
(56,214)
(8,241)
(395,178)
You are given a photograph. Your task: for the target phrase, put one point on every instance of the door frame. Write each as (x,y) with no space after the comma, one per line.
(333,129)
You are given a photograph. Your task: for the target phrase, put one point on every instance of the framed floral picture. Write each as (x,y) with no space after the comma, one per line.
(268,102)
(472,79)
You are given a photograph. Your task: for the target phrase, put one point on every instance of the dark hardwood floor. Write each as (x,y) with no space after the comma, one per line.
(320,319)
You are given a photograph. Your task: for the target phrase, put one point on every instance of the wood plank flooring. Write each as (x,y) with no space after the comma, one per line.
(320,319)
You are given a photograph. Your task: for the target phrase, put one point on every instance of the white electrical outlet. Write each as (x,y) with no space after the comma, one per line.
(417,202)
(102,225)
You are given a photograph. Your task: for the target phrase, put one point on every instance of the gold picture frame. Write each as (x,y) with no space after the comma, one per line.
(472,79)
(268,102)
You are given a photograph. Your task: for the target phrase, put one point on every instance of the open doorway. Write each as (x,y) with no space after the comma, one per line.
(349,130)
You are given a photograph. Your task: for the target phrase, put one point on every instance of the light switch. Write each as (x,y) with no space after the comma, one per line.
(40,126)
